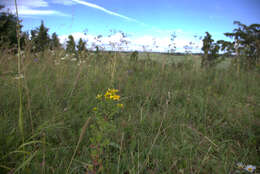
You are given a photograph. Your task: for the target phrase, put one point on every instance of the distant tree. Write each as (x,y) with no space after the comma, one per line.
(8,23)
(97,49)
(81,46)
(246,42)
(24,39)
(33,38)
(207,42)
(42,39)
(33,34)
(134,56)
(71,46)
(210,50)
(54,42)
(226,47)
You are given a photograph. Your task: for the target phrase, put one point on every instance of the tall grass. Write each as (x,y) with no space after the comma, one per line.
(19,77)
(177,118)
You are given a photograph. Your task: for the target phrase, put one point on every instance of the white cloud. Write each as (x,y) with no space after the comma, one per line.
(161,44)
(29,8)
(64,2)
(23,10)
(143,43)
(27,3)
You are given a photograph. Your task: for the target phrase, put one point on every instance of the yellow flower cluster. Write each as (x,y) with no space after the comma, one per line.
(111,94)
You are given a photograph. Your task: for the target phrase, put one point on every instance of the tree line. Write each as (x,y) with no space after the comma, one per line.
(39,38)
(245,45)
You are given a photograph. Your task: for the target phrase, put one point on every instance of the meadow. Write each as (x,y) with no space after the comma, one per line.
(106,113)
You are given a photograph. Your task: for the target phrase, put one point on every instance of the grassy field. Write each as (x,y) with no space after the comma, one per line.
(165,117)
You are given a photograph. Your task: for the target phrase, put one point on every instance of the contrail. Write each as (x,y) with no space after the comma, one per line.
(105,10)
(113,13)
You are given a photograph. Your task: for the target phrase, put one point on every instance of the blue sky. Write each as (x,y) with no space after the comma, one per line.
(144,21)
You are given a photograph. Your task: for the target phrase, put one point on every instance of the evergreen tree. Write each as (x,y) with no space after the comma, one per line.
(55,42)
(8,23)
(71,46)
(33,38)
(81,46)
(33,35)
(24,39)
(41,38)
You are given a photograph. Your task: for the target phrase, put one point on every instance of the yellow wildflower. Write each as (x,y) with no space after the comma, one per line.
(107,95)
(95,109)
(111,94)
(116,97)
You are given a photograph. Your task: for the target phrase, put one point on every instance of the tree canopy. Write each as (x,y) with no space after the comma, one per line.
(81,46)
(71,45)
(54,42)
(246,41)
(246,45)
(8,29)
(210,50)
(40,38)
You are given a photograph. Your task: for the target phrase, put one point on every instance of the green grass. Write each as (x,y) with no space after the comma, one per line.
(177,118)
